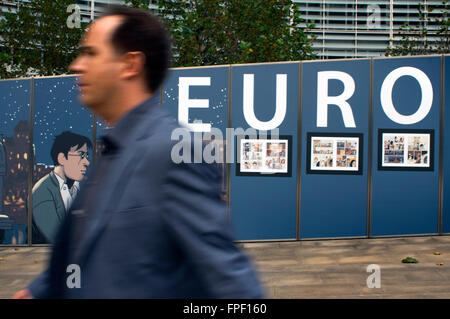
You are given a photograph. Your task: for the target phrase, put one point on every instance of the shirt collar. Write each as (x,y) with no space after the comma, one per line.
(116,137)
(76,185)
(61,182)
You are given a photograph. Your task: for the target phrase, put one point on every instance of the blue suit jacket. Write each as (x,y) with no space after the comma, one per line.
(159,229)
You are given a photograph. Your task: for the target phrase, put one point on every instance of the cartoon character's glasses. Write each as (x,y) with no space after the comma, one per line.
(82,155)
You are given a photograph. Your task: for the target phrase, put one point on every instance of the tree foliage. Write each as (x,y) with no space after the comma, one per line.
(416,39)
(36,39)
(211,32)
(140,4)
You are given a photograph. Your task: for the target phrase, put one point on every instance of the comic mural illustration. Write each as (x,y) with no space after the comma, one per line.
(13,184)
(54,193)
(15,137)
(61,127)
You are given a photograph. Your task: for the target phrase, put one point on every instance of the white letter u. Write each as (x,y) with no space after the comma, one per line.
(281,102)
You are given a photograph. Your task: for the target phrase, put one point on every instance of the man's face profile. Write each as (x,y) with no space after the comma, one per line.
(98,64)
(76,162)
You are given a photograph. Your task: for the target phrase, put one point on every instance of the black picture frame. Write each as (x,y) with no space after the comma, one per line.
(336,171)
(289,155)
(405,167)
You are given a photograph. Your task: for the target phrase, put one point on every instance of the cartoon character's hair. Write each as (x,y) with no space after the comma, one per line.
(65,141)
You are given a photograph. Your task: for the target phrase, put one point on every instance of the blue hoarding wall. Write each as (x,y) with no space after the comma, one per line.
(57,109)
(358,152)
(333,202)
(15,137)
(198,95)
(406,97)
(198,98)
(59,121)
(265,207)
(446,155)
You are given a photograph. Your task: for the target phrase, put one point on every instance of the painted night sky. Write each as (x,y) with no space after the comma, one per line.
(217,93)
(14,103)
(57,109)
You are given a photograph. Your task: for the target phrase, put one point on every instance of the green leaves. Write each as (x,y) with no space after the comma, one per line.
(138,4)
(207,32)
(416,38)
(36,40)
(410,260)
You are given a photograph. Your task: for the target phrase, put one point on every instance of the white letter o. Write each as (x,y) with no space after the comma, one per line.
(386,95)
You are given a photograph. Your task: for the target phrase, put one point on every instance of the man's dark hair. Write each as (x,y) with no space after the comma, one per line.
(65,141)
(142,31)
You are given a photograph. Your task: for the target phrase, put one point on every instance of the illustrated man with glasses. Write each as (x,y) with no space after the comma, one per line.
(54,193)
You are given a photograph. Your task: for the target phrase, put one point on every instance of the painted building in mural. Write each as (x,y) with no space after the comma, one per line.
(16,179)
(15,145)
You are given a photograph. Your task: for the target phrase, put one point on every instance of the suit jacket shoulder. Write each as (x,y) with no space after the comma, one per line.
(46,184)
(48,208)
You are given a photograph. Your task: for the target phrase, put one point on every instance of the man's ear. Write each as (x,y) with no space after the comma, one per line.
(61,158)
(134,63)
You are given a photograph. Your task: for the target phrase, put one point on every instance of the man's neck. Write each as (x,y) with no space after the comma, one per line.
(59,170)
(124,105)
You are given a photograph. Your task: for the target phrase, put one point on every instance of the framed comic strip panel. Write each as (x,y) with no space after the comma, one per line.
(264,157)
(334,153)
(405,150)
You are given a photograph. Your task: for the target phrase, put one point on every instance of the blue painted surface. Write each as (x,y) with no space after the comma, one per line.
(405,202)
(57,109)
(265,207)
(216,93)
(15,132)
(446,197)
(216,114)
(334,205)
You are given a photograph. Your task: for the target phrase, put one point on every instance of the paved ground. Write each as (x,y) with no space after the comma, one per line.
(306,269)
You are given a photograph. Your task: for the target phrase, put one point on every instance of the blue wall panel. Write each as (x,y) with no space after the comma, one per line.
(261,207)
(15,137)
(446,195)
(265,207)
(217,94)
(334,205)
(405,202)
(56,110)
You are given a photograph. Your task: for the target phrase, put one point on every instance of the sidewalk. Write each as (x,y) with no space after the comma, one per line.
(337,268)
(306,269)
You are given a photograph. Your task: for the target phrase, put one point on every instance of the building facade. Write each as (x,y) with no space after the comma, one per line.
(89,9)
(343,28)
(365,28)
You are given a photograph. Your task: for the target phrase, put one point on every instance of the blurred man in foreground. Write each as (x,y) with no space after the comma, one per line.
(142,226)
